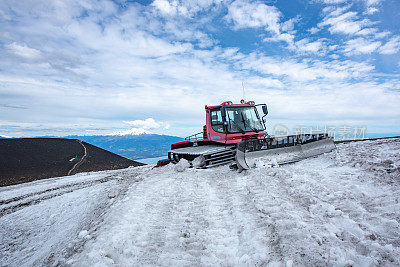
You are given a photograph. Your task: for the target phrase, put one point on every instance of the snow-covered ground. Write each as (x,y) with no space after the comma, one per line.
(340,208)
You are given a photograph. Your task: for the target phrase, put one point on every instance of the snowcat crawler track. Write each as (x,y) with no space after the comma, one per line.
(211,155)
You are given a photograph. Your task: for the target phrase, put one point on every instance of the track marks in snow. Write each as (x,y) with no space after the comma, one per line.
(319,211)
(183,219)
(244,221)
(322,205)
(47,232)
(11,205)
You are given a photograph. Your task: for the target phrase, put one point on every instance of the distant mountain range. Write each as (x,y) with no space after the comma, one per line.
(132,146)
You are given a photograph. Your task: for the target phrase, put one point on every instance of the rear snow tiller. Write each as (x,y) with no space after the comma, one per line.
(235,134)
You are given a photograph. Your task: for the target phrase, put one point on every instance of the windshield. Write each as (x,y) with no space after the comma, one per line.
(243,119)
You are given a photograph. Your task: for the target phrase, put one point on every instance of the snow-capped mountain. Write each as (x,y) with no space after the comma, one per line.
(133,131)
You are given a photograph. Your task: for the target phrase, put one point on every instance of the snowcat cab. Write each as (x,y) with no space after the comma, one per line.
(231,123)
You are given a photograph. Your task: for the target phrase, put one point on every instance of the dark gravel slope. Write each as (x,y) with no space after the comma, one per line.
(28,159)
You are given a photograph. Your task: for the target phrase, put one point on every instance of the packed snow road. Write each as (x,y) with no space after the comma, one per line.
(340,208)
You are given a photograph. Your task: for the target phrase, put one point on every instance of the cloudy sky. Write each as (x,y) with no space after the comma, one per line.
(101,67)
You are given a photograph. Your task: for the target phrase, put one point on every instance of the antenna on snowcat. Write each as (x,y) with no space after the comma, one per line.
(243,90)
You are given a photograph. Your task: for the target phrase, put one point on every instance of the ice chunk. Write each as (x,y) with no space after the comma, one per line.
(198,162)
(182,165)
(83,234)
(266,163)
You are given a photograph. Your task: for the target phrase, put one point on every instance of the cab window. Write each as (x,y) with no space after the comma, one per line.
(216,121)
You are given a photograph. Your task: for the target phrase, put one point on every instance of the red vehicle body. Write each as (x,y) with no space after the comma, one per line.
(228,124)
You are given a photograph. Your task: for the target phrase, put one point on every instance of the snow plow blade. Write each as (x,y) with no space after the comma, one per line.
(282,150)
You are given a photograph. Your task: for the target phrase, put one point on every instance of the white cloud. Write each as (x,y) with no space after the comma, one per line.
(383,34)
(186,8)
(371,10)
(302,46)
(305,70)
(391,47)
(314,30)
(260,82)
(372,2)
(148,123)
(361,46)
(165,7)
(167,18)
(367,31)
(254,15)
(305,45)
(142,126)
(338,22)
(372,6)
(333,1)
(133,131)
(289,24)
(283,37)
(24,51)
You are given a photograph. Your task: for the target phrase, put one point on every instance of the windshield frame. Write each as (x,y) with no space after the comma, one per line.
(242,127)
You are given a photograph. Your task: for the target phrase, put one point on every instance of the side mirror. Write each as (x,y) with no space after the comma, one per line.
(265,109)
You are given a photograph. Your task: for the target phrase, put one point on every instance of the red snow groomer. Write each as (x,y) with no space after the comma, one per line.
(235,133)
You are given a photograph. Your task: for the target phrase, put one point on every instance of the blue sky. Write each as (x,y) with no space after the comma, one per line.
(101,67)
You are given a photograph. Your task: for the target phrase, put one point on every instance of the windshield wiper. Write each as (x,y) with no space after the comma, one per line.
(244,123)
(240,127)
